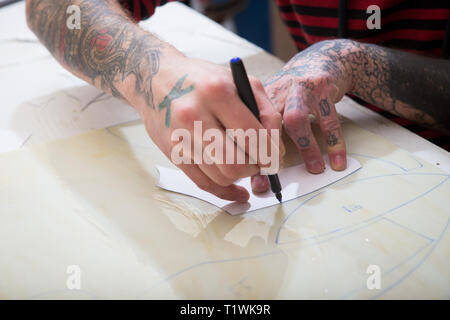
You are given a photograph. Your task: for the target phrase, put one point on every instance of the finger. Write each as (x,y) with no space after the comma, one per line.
(232,192)
(211,148)
(298,127)
(215,175)
(259,183)
(270,118)
(332,132)
(335,94)
(233,163)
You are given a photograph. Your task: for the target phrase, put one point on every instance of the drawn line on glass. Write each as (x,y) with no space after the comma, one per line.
(367,221)
(419,164)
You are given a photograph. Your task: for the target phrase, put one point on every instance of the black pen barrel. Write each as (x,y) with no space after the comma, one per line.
(243,86)
(275,184)
(246,94)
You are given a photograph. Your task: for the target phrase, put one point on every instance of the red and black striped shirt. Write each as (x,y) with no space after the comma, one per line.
(418,26)
(413,25)
(142,9)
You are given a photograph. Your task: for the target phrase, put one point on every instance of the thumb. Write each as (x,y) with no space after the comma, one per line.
(259,183)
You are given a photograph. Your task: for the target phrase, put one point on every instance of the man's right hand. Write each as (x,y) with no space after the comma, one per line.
(197,90)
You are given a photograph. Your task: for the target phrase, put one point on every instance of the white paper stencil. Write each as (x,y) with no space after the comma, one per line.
(296,181)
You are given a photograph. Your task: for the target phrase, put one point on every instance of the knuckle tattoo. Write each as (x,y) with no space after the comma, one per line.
(307,84)
(303,142)
(324,106)
(331,138)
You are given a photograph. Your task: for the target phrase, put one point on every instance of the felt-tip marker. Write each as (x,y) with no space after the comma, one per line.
(246,94)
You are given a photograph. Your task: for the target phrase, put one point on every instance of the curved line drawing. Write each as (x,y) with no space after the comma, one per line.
(270,253)
(419,164)
(352,292)
(415,267)
(367,221)
(175,274)
(293,212)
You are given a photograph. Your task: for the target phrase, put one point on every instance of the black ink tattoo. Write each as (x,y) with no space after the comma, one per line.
(175,93)
(303,142)
(307,84)
(408,85)
(324,107)
(281,91)
(332,140)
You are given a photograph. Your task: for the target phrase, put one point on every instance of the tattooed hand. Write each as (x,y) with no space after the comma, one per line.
(408,85)
(206,92)
(311,83)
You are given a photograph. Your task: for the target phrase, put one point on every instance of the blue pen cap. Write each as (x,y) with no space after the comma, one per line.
(235,59)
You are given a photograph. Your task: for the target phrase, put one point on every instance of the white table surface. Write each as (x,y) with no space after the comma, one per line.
(60,205)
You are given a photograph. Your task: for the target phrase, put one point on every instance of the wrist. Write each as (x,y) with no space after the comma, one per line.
(338,60)
(354,59)
(153,76)
(349,57)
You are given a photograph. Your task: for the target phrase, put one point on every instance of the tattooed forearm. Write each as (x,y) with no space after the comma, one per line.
(175,93)
(408,85)
(106,50)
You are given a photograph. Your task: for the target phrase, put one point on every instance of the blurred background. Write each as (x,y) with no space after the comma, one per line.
(258,21)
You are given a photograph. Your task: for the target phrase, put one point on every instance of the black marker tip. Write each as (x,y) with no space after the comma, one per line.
(279,196)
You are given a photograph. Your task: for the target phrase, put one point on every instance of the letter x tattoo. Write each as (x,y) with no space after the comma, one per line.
(175,93)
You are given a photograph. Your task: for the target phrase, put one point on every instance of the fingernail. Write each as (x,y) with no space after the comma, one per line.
(315,166)
(339,162)
(259,184)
